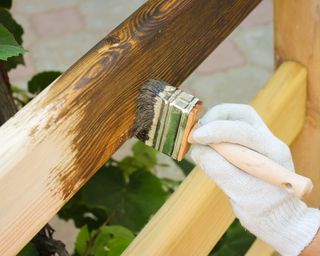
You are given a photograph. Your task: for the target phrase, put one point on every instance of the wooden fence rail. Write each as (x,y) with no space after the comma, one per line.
(52,146)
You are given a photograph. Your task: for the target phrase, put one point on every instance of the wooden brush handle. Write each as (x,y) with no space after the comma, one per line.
(263,168)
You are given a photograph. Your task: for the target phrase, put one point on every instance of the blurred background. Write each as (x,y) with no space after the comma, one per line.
(58,32)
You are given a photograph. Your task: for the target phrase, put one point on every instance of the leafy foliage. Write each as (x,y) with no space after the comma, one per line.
(17,31)
(144,158)
(10,24)
(106,241)
(29,250)
(41,80)
(128,203)
(6,4)
(127,198)
(82,238)
(8,45)
(123,193)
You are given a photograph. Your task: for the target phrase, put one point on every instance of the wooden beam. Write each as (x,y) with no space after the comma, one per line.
(196,216)
(58,141)
(297,38)
(260,248)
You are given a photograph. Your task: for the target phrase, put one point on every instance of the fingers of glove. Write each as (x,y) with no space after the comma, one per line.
(243,189)
(240,112)
(215,166)
(241,133)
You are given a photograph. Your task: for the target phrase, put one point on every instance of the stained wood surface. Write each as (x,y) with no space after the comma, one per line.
(297,37)
(195,217)
(58,141)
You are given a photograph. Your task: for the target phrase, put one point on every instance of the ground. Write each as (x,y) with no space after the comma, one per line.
(59,32)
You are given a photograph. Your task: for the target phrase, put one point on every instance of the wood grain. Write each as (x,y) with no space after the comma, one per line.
(260,248)
(195,217)
(297,37)
(57,142)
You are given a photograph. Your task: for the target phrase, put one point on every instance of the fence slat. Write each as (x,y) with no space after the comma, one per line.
(198,213)
(260,248)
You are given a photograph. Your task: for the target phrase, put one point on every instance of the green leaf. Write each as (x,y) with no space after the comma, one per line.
(8,45)
(144,157)
(127,203)
(14,28)
(129,165)
(109,241)
(121,238)
(81,241)
(106,241)
(236,241)
(100,246)
(6,4)
(10,24)
(14,61)
(76,210)
(185,166)
(41,80)
(29,250)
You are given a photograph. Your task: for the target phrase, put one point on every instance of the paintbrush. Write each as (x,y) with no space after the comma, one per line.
(165,118)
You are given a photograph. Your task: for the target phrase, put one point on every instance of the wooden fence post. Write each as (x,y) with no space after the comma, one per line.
(297,38)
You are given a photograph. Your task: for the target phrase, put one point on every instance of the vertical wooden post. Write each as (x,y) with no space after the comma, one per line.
(297,37)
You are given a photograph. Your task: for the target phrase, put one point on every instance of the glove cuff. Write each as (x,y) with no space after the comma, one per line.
(298,231)
(288,228)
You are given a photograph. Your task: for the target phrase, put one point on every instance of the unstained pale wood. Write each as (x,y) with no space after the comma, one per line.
(59,140)
(260,248)
(297,38)
(196,216)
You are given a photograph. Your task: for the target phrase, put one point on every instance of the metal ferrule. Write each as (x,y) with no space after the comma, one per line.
(175,108)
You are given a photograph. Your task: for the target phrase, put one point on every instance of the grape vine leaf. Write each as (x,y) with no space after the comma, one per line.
(81,241)
(106,241)
(41,80)
(8,45)
(128,203)
(81,214)
(113,240)
(144,157)
(17,31)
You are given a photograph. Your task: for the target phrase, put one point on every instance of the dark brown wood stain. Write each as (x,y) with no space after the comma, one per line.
(163,39)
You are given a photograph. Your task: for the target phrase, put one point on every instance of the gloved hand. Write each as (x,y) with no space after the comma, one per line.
(270,213)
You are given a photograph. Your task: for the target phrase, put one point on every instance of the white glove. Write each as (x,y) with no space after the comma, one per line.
(270,213)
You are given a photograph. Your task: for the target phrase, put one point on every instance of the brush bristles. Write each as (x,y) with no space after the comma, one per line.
(147,112)
(164,117)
